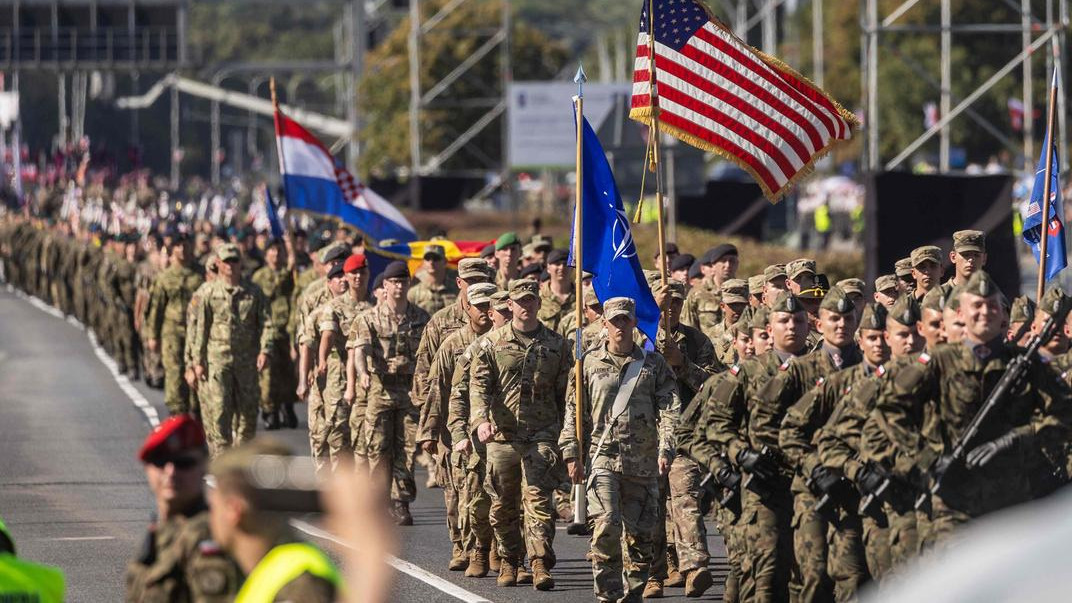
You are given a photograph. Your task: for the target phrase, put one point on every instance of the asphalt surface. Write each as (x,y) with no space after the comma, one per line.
(74,495)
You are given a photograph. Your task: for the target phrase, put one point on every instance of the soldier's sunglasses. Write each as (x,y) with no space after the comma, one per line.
(181,463)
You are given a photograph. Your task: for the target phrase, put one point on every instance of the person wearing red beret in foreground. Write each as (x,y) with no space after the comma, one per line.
(179,561)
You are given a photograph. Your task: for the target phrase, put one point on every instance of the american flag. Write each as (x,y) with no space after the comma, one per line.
(719,94)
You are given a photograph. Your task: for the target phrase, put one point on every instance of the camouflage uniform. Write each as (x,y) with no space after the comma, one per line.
(335,317)
(180,562)
(233,327)
(389,343)
(431,297)
(151,361)
(517,383)
(553,312)
(703,308)
(277,381)
(171,294)
(622,485)
(315,296)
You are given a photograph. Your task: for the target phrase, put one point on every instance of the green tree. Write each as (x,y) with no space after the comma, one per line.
(385,86)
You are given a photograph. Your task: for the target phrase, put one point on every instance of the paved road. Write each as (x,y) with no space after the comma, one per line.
(74,495)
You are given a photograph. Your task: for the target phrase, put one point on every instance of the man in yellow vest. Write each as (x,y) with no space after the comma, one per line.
(278,565)
(24,581)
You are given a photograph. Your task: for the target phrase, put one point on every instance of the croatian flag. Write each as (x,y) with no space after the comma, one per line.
(316,183)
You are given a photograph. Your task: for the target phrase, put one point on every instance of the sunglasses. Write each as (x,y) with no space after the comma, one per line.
(181,463)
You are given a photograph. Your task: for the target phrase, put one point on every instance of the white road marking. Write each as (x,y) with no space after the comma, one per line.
(81,538)
(121,380)
(399,564)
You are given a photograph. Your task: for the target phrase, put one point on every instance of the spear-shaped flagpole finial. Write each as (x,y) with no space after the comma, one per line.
(580,79)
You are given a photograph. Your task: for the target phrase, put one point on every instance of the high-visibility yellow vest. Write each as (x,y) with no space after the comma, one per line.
(21,580)
(282,565)
(822,219)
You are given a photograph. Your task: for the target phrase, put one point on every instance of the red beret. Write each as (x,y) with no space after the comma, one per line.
(177,434)
(354,263)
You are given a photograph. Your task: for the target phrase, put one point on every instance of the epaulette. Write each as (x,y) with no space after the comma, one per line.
(209,548)
(924,358)
(735,369)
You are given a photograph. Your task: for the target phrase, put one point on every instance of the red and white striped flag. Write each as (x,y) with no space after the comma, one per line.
(717,93)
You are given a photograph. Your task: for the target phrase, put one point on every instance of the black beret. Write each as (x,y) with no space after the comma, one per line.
(716,253)
(557,255)
(336,271)
(532,270)
(682,262)
(397,269)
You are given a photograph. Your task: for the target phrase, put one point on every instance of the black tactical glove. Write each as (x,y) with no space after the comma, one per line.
(757,464)
(870,479)
(826,479)
(982,454)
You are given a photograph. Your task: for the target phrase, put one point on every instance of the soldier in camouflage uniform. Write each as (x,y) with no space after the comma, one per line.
(208,264)
(128,353)
(147,271)
(1021,317)
(277,383)
(926,269)
(957,378)
(593,317)
(769,406)
(734,301)
(232,342)
(629,449)
(385,340)
(886,291)
(756,284)
(557,298)
(774,282)
(518,380)
(507,252)
(179,561)
(436,291)
(968,256)
(432,432)
(902,269)
(766,507)
(703,304)
(171,293)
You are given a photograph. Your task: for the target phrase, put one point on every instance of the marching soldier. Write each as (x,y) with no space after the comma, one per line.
(557,297)
(329,380)
(507,253)
(518,380)
(277,383)
(632,409)
(968,257)
(386,338)
(886,290)
(179,560)
(232,342)
(926,269)
(435,292)
(171,294)
(703,304)
(734,300)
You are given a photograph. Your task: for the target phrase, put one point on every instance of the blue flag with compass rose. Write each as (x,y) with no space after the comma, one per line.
(607,247)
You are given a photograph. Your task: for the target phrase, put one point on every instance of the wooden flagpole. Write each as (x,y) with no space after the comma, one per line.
(653,101)
(1044,235)
(580,507)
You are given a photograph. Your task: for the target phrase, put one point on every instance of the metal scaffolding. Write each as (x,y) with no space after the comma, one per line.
(1036,32)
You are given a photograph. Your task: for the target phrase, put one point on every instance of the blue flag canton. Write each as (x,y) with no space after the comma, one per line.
(1035,224)
(676,21)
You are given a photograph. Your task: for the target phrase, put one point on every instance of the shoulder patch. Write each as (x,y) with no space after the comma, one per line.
(209,548)
(924,358)
(735,369)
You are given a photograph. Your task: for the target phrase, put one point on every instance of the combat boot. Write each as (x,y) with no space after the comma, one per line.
(697,582)
(674,579)
(524,576)
(401,514)
(478,564)
(541,577)
(290,418)
(493,559)
(507,574)
(271,419)
(653,589)
(458,560)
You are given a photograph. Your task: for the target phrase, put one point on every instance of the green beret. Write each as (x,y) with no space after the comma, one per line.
(905,310)
(874,317)
(1023,308)
(981,284)
(787,302)
(506,239)
(837,301)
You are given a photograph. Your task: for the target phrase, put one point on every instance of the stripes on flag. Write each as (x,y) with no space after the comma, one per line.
(719,94)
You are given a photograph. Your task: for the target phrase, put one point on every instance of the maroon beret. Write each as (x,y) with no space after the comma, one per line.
(177,434)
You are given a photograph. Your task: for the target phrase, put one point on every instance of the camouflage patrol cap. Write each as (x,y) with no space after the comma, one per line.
(528,250)
(885,282)
(903,267)
(851,285)
(799,267)
(522,288)
(933,300)
(837,301)
(926,253)
(787,302)
(1052,300)
(228,252)
(677,288)
(481,293)
(755,284)
(498,301)
(1023,309)
(873,317)
(335,251)
(905,310)
(541,241)
(969,240)
(436,251)
(652,277)
(981,284)
(760,318)
(774,271)
(590,297)
(619,306)
(474,270)
(735,291)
